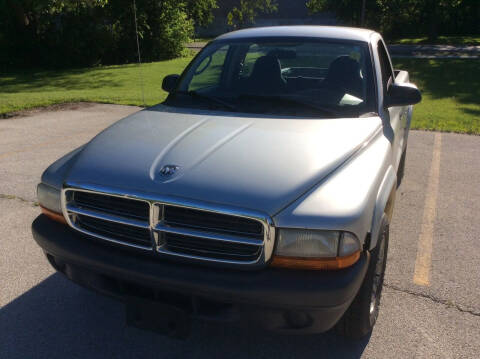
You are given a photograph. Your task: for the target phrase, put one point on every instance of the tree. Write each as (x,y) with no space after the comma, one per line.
(247,10)
(43,31)
(201,11)
(397,18)
(346,10)
(164,27)
(58,33)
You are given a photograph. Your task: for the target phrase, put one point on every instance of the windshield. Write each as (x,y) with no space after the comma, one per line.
(303,77)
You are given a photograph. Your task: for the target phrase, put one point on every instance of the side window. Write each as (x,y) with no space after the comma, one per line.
(209,71)
(386,67)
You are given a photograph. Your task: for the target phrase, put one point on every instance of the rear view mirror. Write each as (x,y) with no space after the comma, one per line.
(170,82)
(402,95)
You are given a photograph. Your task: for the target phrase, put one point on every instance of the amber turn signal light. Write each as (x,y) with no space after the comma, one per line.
(333,263)
(53,215)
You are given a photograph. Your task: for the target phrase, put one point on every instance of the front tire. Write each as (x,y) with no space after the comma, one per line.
(360,317)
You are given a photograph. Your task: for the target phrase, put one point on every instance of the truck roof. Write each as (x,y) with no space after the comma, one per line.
(325,32)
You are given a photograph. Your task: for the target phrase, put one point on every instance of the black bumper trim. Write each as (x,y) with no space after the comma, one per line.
(274,288)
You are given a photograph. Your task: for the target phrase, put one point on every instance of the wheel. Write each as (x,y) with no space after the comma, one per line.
(401,167)
(360,317)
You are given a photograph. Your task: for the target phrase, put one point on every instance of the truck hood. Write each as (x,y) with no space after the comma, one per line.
(257,163)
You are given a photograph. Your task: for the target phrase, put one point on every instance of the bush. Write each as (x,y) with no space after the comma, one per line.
(52,33)
(166,32)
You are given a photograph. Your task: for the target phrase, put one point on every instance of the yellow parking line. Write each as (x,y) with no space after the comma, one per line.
(425,240)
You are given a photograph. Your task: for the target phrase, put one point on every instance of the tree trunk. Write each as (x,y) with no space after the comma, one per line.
(433,21)
(21,19)
(362,17)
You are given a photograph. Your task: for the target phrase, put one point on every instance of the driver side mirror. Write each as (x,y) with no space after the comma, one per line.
(170,82)
(402,94)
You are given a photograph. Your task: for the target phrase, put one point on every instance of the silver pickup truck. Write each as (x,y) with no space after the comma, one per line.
(260,192)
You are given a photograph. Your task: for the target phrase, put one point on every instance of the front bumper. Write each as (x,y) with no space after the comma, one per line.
(272,298)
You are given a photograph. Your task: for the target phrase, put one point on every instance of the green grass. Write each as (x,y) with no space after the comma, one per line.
(441,40)
(451,93)
(108,84)
(450,88)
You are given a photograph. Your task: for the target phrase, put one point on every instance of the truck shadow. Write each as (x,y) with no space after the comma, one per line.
(58,319)
(68,79)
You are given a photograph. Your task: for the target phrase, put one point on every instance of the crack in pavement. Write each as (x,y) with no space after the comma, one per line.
(18,198)
(448,303)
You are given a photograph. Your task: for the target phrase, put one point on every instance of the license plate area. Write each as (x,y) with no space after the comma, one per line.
(158,317)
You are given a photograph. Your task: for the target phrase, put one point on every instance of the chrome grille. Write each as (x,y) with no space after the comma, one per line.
(210,248)
(117,231)
(175,216)
(123,207)
(170,229)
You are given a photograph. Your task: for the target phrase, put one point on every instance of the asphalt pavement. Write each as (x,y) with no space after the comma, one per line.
(436,224)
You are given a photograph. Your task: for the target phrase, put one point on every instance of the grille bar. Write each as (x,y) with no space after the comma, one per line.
(177,216)
(107,217)
(208,235)
(211,248)
(119,206)
(117,231)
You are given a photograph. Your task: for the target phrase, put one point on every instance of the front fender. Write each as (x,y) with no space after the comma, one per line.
(55,174)
(347,199)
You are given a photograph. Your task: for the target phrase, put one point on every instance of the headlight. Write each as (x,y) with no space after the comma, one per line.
(49,200)
(314,249)
(49,197)
(308,244)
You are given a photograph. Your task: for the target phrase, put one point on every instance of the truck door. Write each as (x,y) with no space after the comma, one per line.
(397,115)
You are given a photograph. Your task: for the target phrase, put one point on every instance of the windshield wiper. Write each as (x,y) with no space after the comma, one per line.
(211,99)
(291,100)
